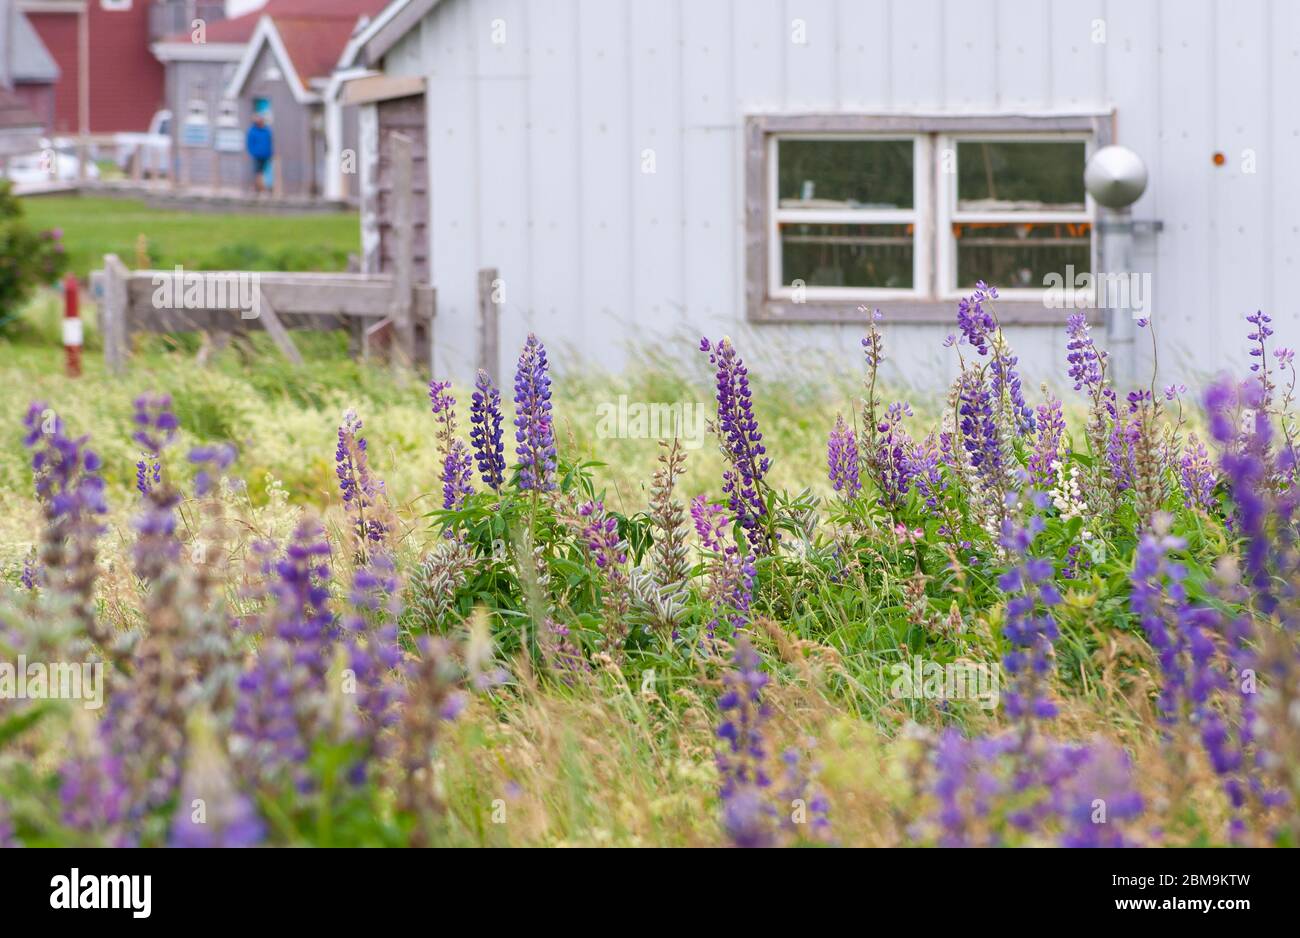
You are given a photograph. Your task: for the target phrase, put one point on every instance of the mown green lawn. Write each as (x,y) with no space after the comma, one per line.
(94,226)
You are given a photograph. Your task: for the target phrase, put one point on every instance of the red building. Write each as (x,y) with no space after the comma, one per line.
(122,82)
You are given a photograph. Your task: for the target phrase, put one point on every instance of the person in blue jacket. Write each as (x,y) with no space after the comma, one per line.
(261,149)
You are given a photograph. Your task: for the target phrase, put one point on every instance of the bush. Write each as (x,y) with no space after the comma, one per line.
(28,258)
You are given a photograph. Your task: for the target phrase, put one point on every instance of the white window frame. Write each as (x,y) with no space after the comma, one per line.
(945,243)
(918,216)
(196,111)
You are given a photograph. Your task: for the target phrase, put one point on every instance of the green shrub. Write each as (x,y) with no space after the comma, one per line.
(28,258)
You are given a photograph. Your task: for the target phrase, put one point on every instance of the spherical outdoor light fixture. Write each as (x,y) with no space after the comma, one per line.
(1115,176)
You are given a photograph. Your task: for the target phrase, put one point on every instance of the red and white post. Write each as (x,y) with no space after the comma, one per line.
(72,331)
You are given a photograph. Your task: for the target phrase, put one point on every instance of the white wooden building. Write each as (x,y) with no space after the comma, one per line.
(644,172)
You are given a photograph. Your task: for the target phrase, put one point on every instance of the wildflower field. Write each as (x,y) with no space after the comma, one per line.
(337,607)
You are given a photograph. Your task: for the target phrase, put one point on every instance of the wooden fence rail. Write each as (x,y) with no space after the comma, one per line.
(238,301)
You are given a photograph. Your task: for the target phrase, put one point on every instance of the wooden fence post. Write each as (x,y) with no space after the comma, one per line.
(489,326)
(403,231)
(112,314)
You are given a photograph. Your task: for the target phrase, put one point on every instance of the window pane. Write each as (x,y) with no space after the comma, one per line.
(1010,176)
(844,174)
(847,255)
(1020,255)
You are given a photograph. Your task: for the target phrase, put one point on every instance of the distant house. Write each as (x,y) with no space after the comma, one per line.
(107,81)
(286,73)
(642,174)
(207,127)
(20,129)
(29,71)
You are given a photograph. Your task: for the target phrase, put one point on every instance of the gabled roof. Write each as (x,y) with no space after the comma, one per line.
(384,32)
(307,37)
(32,62)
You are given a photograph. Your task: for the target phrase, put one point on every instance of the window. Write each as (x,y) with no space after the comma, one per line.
(842,210)
(1014,211)
(846,218)
(116,6)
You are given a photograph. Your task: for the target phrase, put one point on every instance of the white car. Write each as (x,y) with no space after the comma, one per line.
(153,148)
(50,164)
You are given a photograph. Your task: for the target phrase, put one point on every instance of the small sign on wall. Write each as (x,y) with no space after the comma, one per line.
(229,140)
(196,134)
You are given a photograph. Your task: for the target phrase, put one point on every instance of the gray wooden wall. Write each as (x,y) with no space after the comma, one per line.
(536,145)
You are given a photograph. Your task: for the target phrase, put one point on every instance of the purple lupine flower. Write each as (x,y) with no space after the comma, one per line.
(952,769)
(1120,452)
(923,461)
(748,816)
(534,428)
(148,474)
(155,424)
(710,521)
(1244,751)
(607,548)
(873,344)
(842,460)
(157,546)
(1259,339)
(799,794)
(1087,361)
(485,432)
(967,785)
(71,493)
(275,711)
(979,429)
(456,463)
(211,811)
(299,594)
(734,587)
(1179,632)
(1005,380)
(601,534)
(65,470)
(730,588)
(212,461)
(893,445)
(280,698)
(1096,795)
(1029,628)
(1046,454)
(742,444)
(456,472)
(31,572)
(362,492)
(1196,474)
(92,792)
(8,839)
(976,324)
(560,651)
(1245,468)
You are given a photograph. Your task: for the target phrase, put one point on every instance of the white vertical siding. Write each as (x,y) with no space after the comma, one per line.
(555,172)
(655,120)
(537,148)
(1277,173)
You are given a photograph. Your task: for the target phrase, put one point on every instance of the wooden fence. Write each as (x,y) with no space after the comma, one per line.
(383,314)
